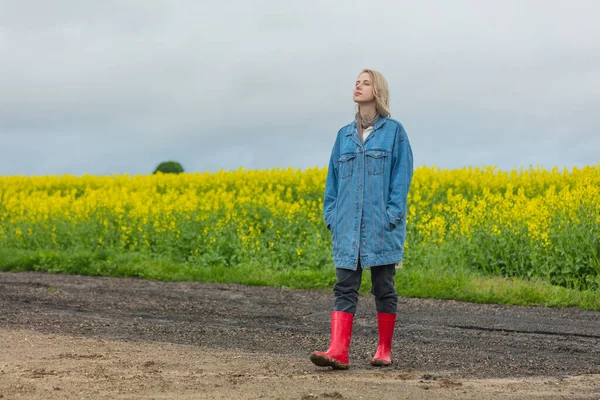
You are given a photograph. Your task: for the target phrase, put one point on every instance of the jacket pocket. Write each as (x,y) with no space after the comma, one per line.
(346,162)
(376,160)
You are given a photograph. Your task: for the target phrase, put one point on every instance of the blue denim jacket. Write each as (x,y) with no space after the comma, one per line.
(367,185)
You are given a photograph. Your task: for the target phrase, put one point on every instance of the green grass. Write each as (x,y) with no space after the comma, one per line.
(462,284)
(432,279)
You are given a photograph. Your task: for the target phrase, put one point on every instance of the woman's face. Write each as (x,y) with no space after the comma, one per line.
(363,89)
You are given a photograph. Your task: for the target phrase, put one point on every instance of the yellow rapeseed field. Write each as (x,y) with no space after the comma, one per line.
(527,222)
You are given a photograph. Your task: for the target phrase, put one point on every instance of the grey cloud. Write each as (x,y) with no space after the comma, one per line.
(103,87)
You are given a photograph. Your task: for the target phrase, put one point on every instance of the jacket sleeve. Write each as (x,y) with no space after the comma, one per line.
(401,176)
(331,185)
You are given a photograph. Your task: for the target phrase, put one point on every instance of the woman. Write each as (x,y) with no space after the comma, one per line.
(367,185)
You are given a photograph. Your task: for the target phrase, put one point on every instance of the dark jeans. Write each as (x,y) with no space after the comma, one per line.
(382,279)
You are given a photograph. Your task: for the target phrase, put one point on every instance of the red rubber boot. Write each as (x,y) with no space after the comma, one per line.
(341,333)
(385,325)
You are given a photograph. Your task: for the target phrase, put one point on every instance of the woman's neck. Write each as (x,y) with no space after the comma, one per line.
(367,111)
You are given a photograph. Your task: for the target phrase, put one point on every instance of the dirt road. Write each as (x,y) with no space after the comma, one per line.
(87,337)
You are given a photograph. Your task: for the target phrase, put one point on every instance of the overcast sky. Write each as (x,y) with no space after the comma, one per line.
(105,87)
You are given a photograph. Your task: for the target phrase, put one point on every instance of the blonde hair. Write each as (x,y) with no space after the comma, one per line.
(380,91)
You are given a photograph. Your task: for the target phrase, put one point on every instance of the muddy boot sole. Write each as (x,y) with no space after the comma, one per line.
(380,363)
(324,361)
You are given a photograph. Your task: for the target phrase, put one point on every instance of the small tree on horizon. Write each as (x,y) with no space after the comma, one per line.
(169,167)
